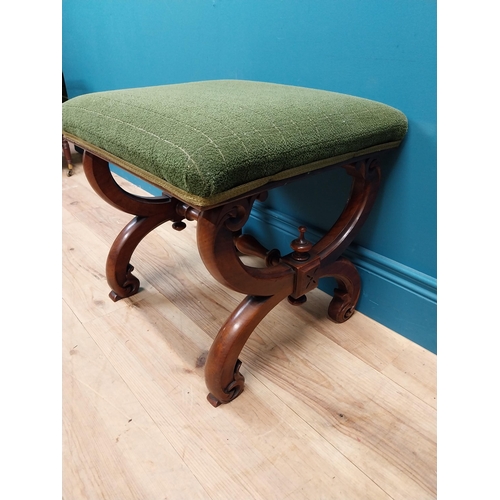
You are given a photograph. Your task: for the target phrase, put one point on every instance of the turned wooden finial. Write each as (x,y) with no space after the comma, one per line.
(301,246)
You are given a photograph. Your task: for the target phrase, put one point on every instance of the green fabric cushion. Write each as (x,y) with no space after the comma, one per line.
(207,138)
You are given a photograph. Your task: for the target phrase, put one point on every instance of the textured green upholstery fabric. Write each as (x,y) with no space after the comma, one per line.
(207,138)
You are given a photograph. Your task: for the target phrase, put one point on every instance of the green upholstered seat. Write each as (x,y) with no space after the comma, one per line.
(206,142)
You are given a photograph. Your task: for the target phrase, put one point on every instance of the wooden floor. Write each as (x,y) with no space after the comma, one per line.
(329,411)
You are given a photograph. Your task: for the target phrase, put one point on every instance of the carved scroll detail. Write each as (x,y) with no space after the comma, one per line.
(348,289)
(216,232)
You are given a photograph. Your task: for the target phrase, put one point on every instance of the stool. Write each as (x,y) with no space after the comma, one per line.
(214,148)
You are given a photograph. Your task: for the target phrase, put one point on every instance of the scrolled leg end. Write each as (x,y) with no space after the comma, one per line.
(123,286)
(231,392)
(341,307)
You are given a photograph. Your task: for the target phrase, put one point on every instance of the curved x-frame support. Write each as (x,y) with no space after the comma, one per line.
(220,242)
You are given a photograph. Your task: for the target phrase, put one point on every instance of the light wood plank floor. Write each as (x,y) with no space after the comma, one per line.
(329,411)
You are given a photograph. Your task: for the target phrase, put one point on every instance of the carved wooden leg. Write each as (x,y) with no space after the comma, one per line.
(366,182)
(222,376)
(150,213)
(347,293)
(219,237)
(118,268)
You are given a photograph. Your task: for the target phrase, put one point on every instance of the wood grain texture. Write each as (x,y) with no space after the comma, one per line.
(329,410)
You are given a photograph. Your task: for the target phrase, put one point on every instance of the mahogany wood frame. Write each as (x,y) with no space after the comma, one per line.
(220,244)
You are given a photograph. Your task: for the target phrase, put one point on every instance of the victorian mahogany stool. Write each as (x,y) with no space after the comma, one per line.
(214,148)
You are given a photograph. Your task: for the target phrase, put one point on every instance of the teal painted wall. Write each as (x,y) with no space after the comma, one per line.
(383,50)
